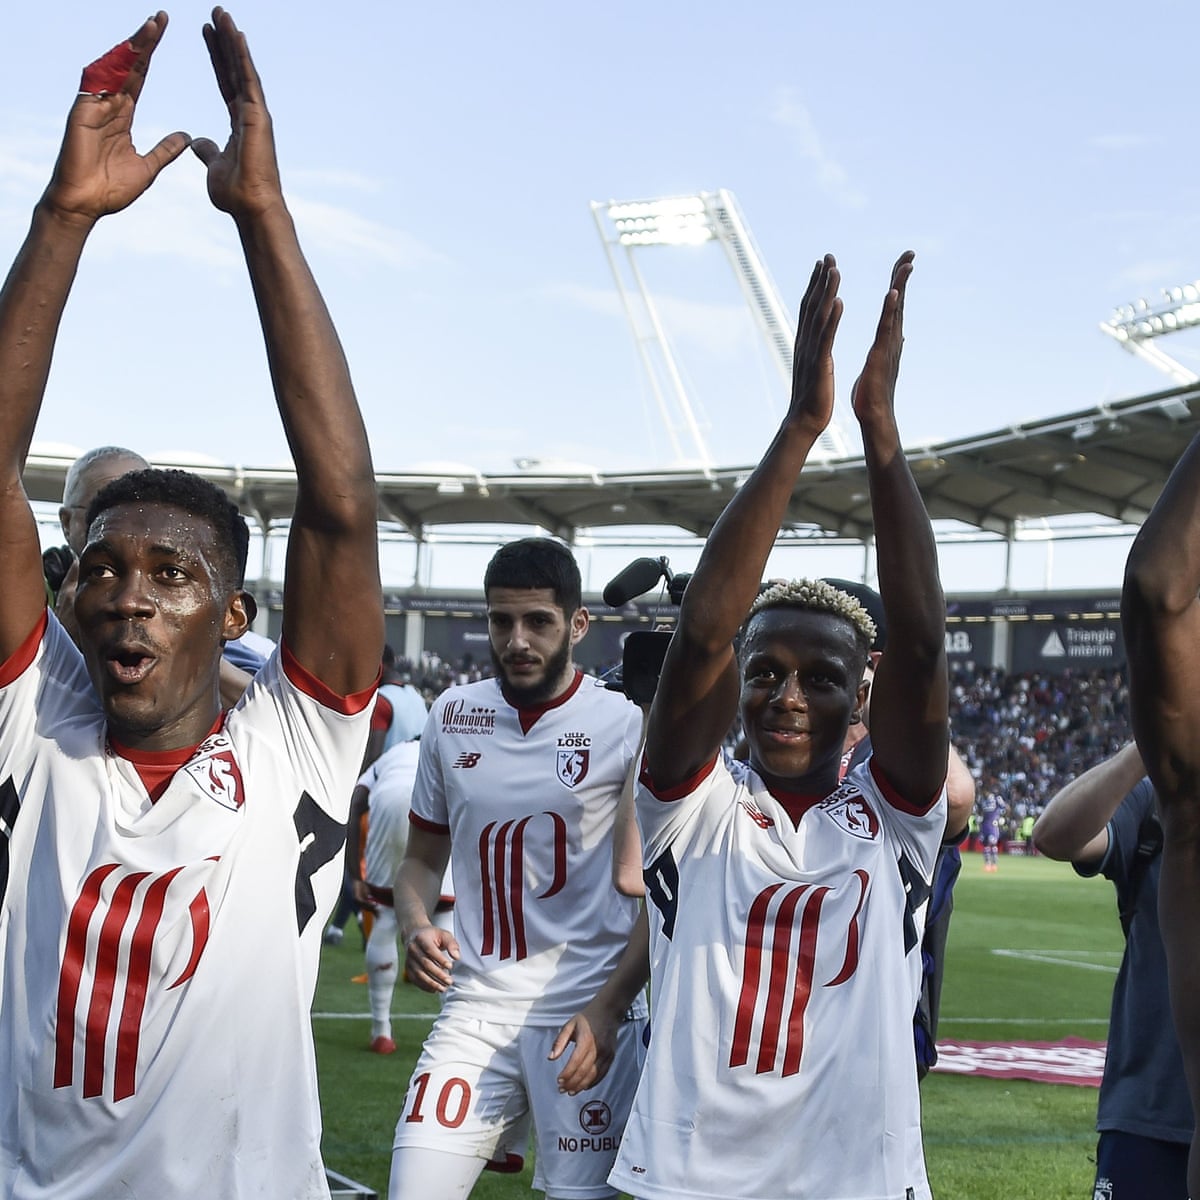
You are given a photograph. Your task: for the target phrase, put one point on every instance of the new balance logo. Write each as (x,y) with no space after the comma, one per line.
(105,967)
(467,761)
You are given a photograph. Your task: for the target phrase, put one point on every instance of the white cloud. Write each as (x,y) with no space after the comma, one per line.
(1121,141)
(342,230)
(332,177)
(792,114)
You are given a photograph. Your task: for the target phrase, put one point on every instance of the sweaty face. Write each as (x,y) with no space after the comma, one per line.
(531,641)
(801,673)
(152,616)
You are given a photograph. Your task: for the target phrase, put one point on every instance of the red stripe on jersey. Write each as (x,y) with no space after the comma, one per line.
(894,798)
(485,884)
(72,972)
(739,1053)
(805,965)
(428,826)
(198,910)
(560,856)
(321,692)
(138,979)
(850,965)
(108,951)
(501,883)
(516,889)
(14,666)
(777,977)
(689,785)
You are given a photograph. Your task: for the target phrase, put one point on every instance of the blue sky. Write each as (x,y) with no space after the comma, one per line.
(440,161)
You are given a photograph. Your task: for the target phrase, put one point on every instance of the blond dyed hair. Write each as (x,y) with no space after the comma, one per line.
(817,596)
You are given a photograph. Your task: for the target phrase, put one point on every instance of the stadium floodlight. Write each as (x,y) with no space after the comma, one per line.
(693,220)
(1134,326)
(674,221)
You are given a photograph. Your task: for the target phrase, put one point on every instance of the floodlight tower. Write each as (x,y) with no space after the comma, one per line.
(1134,326)
(691,221)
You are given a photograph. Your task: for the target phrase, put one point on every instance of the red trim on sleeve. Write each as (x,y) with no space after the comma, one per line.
(689,785)
(382,714)
(894,798)
(529,716)
(428,826)
(310,685)
(17,662)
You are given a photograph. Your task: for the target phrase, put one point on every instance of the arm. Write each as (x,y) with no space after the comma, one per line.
(960,796)
(333,612)
(1073,827)
(431,951)
(359,800)
(627,837)
(910,692)
(1160,617)
(594,1029)
(98,172)
(698,690)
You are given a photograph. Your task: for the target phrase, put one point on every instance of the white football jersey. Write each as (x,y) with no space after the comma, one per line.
(528,797)
(785,971)
(158,960)
(389,782)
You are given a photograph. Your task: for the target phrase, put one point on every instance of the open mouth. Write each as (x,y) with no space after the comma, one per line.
(129,666)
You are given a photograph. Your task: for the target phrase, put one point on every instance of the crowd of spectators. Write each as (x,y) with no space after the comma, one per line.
(1023,735)
(1026,735)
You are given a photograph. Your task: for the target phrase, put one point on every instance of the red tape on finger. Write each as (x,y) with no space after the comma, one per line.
(107,75)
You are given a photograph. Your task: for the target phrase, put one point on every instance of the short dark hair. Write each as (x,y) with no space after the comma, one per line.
(186,491)
(537,562)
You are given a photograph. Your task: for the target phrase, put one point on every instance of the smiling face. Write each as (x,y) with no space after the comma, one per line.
(154,604)
(531,642)
(801,674)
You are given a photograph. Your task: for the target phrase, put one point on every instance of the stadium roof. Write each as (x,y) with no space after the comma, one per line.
(1110,461)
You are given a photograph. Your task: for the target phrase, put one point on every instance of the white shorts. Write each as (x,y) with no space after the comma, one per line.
(477,1084)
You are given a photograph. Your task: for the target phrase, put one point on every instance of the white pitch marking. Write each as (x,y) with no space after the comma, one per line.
(1057,958)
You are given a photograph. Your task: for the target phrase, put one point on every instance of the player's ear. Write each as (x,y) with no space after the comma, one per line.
(580,619)
(858,713)
(239,612)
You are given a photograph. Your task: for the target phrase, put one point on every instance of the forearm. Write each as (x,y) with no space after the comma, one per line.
(309,374)
(31,307)
(731,566)
(906,552)
(416,893)
(1081,810)
(631,972)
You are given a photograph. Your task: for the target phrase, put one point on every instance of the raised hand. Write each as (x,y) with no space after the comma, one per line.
(874,391)
(244,177)
(812,360)
(98,170)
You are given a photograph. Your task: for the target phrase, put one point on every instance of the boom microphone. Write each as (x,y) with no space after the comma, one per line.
(640,576)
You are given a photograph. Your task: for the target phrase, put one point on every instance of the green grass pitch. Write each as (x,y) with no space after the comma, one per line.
(1032,956)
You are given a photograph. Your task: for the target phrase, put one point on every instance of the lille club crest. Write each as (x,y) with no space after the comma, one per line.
(216,772)
(573,766)
(849,808)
